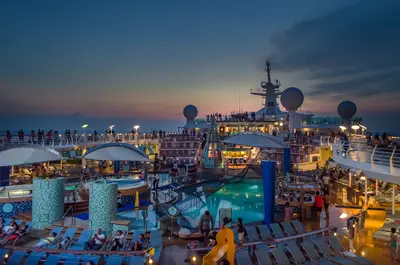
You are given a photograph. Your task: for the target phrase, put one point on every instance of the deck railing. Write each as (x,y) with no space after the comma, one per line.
(363,152)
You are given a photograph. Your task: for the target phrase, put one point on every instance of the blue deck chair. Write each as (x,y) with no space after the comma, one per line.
(7,221)
(52,259)
(70,232)
(29,225)
(114,260)
(243,258)
(18,222)
(82,240)
(72,260)
(288,228)
(94,259)
(156,238)
(16,257)
(135,260)
(276,230)
(335,243)
(265,232)
(299,226)
(34,258)
(328,254)
(135,237)
(263,257)
(252,234)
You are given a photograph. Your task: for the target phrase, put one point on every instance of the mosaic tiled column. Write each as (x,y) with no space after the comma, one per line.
(102,205)
(47,201)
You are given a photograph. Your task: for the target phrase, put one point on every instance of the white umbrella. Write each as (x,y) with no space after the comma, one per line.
(13,155)
(116,152)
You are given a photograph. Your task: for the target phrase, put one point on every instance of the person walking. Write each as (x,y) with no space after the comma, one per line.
(240,229)
(393,243)
(322,219)
(288,212)
(206,225)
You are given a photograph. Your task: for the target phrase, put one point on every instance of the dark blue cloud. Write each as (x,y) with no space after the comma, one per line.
(353,52)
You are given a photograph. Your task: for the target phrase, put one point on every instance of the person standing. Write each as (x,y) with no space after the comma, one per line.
(288,212)
(240,230)
(318,203)
(322,219)
(206,225)
(393,243)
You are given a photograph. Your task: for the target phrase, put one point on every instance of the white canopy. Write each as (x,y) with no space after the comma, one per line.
(116,152)
(13,155)
(255,139)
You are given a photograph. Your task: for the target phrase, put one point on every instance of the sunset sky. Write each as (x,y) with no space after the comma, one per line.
(143,61)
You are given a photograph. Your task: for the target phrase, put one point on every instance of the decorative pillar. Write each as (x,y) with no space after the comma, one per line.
(4,176)
(268,174)
(394,199)
(116,167)
(102,205)
(350,180)
(286,160)
(366,192)
(47,201)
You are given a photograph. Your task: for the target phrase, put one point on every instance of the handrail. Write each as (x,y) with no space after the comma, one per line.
(391,160)
(274,241)
(76,252)
(63,217)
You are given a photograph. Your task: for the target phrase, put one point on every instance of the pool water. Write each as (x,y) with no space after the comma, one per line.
(245,199)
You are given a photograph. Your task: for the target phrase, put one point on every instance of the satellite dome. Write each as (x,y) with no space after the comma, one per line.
(190,112)
(347,109)
(292,98)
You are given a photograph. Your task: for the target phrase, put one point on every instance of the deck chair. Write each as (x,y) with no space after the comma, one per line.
(52,259)
(156,238)
(114,260)
(313,255)
(280,256)
(335,243)
(84,238)
(70,232)
(288,228)
(33,259)
(243,258)
(265,232)
(276,230)
(94,259)
(252,235)
(29,225)
(130,244)
(136,260)
(299,226)
(72,260)
(263,257)
(16,257)
(327,253)
(297,255)
(18,222)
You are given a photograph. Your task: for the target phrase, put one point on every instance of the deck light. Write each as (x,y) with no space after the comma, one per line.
(355,127)
(85,126)
(343,128)
(150,261)
(194,258)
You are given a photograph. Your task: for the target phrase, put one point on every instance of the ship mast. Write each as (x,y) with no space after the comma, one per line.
(269,91)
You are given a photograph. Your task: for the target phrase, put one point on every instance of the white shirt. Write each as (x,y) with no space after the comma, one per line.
(97,238)
(8,229)
(175,165)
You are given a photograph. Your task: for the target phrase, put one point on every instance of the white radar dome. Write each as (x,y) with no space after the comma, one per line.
(347,109)
(292,98)
(190,112)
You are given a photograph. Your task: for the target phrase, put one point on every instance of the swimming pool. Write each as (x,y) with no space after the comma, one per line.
(245,199)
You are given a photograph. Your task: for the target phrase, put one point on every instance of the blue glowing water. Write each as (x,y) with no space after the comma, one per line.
(245,199)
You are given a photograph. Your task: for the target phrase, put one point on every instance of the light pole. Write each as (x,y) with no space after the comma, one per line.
(84,130)
(136,127)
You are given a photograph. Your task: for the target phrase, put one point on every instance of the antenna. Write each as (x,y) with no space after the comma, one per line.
(268,64)
(239,99)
